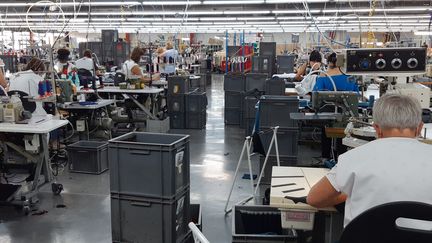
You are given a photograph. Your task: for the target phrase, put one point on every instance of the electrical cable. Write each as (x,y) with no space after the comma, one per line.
(387,24)
(73,133)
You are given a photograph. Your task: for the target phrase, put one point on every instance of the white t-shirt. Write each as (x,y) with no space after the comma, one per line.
(170,67)
(127,69)
(59,67)
(306,85)
(28,82)
(85,63)
(383,171)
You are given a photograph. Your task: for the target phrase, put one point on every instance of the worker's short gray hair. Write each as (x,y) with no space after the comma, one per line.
(397,111)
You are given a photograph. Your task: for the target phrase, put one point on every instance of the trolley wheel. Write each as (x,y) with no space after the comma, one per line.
(56,188)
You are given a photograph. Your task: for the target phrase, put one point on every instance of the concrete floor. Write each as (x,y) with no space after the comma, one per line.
(86,217)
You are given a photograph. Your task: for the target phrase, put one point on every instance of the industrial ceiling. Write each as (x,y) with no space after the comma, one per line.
(216,16)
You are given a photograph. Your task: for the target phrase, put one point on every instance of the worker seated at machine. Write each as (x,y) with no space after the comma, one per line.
(28,81)
(63,66)
(341,81)
(333,78)
(367,176)
(308,73)
(169,57)
(132,70)
(87,70)
(3,83)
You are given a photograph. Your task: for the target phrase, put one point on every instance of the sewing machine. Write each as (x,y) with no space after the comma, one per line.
(347,101)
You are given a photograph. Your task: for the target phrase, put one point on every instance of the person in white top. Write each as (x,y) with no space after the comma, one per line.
(63,66)
(307,83)
(87,63)
(28,81)
(132,70)
(395,167)
(170,56)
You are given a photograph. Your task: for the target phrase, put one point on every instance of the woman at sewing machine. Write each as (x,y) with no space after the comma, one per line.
(307,75)
(132,70)
(63,66)
(325,83)
(27,81)
(341,81)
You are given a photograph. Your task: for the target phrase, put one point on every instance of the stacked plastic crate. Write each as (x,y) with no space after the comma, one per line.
(150,187)
(234,86)
(275,111)
(178,86)
(196,110)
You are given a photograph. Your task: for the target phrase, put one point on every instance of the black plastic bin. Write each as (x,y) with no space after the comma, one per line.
(259,224)
(90,157)
(142,220)
(275,111)
(234,82)
(255,81)
(196,102)
(149,164)
(287,139)
(234,99)
(178,85)
(176,103)
(177,120)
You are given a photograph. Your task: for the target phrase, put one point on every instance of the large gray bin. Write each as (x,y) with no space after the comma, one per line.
(259,224)
(149,164)
(255,81)
(287,141)
(234,82)
(89,157)
(234,99)
(143,220)
(275,111)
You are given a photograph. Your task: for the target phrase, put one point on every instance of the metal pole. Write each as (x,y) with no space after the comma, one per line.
(226,52)
(245,145)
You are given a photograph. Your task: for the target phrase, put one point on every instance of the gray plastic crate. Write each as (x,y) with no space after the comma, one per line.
(149,164)
(259,224)
(176,103)
(272,161)
(249,107)
(287,141)
(285,63)
(234,82)
(275,111)
(177,120)
(89,157)
(234,99)
(178,85)
(249,124)
(275,86)
(255,81)
(150,220)
(267,49)
(196,120)
(232,116)
(196,102)
(198,83)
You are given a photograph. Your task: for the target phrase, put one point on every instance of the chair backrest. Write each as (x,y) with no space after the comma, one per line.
(378,224)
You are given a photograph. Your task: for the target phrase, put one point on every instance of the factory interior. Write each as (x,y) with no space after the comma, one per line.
(215,121)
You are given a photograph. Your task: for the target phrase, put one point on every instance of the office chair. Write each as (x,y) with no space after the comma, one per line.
(378,225)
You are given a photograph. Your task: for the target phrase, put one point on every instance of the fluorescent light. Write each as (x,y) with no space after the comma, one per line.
(256,18)
(248,12)
(422,33)
(234,2)
(218,19)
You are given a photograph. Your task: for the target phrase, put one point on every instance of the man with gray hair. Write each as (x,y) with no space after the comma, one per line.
(395,167)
